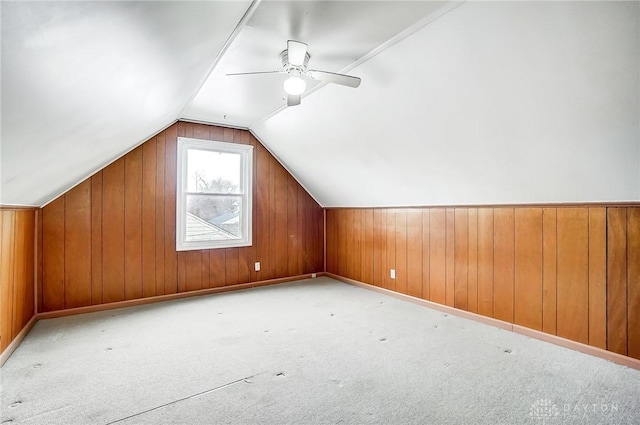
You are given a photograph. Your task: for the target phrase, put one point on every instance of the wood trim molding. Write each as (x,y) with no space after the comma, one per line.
(577,346)
(563,342)
(4,356)
(523,205)
(168,297)
(19,207)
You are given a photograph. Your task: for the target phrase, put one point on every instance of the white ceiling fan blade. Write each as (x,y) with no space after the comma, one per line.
(293,99)
(296,50)
(255,73)
(330,77)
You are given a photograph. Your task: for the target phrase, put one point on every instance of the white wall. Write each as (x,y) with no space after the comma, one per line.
(493,103)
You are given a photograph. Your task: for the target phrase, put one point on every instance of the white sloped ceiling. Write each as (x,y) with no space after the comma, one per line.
(505,102)
(84,82)
(460,103)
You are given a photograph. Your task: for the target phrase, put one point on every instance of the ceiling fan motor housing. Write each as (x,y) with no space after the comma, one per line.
(287,67)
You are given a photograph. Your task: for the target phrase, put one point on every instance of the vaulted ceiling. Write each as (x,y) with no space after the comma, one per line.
(460,103)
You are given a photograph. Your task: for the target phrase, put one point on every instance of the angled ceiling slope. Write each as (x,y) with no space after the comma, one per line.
(84,82)
(493,103)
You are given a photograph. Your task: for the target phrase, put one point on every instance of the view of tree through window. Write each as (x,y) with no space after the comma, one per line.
(213,194)
(214,201)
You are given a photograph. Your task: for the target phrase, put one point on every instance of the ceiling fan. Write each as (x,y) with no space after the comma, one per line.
(295,59)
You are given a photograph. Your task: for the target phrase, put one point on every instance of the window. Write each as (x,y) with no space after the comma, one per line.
(213,194)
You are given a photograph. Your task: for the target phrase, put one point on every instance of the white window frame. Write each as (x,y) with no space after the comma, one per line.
(246,186)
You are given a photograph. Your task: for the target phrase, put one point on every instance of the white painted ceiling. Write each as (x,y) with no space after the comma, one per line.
(460,103)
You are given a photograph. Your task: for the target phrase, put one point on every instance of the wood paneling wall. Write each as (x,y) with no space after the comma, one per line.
(17,255)
(112,237)
(573,272)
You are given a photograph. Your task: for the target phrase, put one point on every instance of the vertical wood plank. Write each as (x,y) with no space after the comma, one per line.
(391,249)
(633,282)
(332,241)
(96,238)
(346,234)
(7,251)
(450,257)
(181,270)
(274,209)
(39,259)
(472,290)
(426,266)
(302,239)
(503,258)
(485,261)
(281,221)
(244,265)
(341,222)
(255,245)
(133,225)
(53,253)
(149,218)
(15,299)
(319,236)
(25,250)
(170,254)
(231,261)
(204,272)
(4,282)
(193,270)
(217,272)
(356,244)
(379,247)
(263,213)
(401,251)
(292,227)
(113,232)
(528,268)
(414,252)
(549,270)
(77,239)
(367,247)
(573,274)
(438,253)
(159,213)
(461,258)
(597,277)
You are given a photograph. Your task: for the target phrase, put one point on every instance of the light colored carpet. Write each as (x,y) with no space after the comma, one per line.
(312,352)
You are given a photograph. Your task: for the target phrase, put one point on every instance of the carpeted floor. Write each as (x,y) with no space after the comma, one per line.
(311,352)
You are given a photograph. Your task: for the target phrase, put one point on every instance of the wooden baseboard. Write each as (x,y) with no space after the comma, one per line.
(578,346)
(168,297)
(563,342)
(4,356)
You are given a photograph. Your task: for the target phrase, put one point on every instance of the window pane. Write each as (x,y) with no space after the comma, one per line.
(213,172)
(213,218)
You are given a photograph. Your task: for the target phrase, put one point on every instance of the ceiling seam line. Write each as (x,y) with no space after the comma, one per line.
(241,24)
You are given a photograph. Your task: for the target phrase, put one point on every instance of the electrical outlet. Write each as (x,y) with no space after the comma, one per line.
(393,273)
(257,266)
(313,275)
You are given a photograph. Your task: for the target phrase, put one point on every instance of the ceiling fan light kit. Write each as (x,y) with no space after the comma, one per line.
(295,60)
